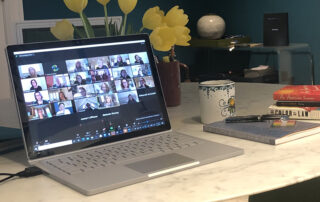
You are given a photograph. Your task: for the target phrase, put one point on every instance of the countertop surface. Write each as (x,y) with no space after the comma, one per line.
(262,167)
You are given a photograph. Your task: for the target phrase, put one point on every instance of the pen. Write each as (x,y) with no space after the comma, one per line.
(255,118)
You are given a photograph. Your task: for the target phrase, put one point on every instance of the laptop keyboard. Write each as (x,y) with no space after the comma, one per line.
(115,154)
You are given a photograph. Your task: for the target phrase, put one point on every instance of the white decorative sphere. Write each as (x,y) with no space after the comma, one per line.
(211,26)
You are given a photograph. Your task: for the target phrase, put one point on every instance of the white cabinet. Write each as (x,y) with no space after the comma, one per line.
(11,13)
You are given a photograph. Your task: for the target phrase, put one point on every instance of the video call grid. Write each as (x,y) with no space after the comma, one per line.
(84,84)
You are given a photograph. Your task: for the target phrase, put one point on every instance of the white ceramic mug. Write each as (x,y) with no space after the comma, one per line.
(217,100)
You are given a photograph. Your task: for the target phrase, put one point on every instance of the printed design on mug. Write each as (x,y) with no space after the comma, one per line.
(232,105)
(209,89)
(227,107)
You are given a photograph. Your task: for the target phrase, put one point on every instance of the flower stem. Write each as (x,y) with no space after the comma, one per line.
(124,24)
(106,21)
(86,25)
(142,28)
(172,54)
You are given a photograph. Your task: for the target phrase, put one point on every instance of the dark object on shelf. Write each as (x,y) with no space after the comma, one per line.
(264,74)
(275,29)
(219,43)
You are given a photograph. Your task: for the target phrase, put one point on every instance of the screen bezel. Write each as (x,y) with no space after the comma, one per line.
(17,86)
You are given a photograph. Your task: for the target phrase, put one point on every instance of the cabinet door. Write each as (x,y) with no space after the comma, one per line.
(11,12)
(4,80)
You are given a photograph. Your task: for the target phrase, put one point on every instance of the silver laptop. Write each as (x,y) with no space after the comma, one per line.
(93,114)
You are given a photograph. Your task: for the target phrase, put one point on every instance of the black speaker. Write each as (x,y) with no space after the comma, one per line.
(275,29)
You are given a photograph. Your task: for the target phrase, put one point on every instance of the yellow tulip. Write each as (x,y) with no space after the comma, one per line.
(76,6)
(182,35)
(103,2)
(63,30)
(176,17)
(166,59)
(163,38)
(127,5)
(153,18)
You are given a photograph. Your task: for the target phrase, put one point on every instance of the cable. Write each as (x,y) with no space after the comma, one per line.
(27,172)
(7,178)
(6,174)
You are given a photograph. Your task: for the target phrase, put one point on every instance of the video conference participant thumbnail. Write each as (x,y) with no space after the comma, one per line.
(77,65)
(63,108)
(31,71)
(122,73)
(39,112)
(129,97)
(80,78)
(101,75)
(36,98)
(58,81)
(86,104)
(56,67)
(34,84)
(124,85)
(138,58)
(144,82)
(59,95)
(119,60)
(104,88)
(141,70)
(108,101)
(99,63)
(84,91)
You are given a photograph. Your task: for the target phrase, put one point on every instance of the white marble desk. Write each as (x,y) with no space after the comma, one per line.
(262,167)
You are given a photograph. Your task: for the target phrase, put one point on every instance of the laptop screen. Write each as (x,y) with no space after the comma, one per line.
(82,93)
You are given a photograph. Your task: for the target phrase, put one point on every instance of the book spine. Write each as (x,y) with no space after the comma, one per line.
(242,135)
(297,104)
(295,112)
(296,97)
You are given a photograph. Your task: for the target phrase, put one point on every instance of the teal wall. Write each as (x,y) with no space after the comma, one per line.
(242,17)
(55,9)
(246,17)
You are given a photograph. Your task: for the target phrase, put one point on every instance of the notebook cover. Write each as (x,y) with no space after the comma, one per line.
(263,131)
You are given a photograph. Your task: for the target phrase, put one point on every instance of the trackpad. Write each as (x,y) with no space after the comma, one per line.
(160,163)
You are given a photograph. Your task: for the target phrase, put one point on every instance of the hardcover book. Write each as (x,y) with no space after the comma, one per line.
(312,113)
(263,131)
(298,93)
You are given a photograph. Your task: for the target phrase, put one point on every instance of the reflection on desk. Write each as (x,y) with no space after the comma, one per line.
(261,168)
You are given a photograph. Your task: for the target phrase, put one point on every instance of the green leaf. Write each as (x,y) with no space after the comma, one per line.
(79,32)
(113,28)
(87,26)
(130,29)
(124,24)
(106,22)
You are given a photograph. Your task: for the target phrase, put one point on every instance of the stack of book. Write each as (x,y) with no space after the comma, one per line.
(297,101)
